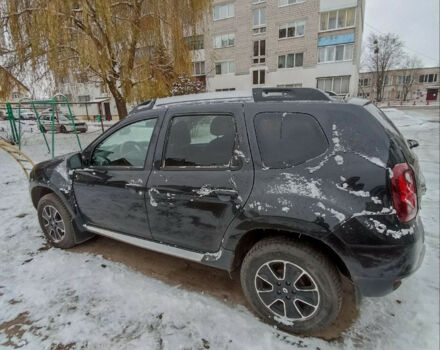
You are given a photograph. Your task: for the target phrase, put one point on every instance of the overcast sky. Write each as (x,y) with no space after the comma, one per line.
(416,22)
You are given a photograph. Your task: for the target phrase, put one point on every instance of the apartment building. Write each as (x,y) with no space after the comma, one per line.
(289,43)
(420,84)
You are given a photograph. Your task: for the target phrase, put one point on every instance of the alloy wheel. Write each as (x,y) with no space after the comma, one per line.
(287,290)
(53,223)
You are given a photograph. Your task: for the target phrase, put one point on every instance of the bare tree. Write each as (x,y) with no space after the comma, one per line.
(409,63)
(384,52)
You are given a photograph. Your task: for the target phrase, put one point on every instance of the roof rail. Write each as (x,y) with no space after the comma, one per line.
(288,94)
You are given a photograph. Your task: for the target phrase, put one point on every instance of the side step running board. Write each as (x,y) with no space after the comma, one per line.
(143,243)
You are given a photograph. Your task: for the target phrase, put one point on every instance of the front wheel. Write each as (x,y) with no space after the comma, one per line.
(56,221)
(291,285)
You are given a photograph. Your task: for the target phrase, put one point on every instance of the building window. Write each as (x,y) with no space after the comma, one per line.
(255,2)
(339,85)
(428,78)
(364,82)
(259,77)
(388,80)
(226,67)
(198,68)
(292,30)
(259,20)
(83,99)
(227,89)
(282,3)
(15,95)
(224,40)
(82,77)
(195,42)
(259,51)
(290,60)
(404,79)
(335,53)
(337,19)
(223,11)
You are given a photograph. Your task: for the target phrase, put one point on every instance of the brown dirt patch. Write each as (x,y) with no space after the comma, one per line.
(202,279)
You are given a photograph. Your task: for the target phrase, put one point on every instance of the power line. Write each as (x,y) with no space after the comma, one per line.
(406,46)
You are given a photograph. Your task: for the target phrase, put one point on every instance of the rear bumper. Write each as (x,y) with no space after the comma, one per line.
(380,269)
(81,128)
(379,286)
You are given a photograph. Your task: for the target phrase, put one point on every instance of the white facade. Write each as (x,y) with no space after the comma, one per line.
(84,99)
(343,72)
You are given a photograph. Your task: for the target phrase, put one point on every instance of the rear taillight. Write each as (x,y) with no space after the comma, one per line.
(404,190)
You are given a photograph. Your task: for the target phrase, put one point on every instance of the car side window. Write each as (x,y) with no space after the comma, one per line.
(127,146)
(200,141)
(288,139)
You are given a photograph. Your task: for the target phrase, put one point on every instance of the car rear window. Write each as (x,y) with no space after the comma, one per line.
(288,139)
(382,118)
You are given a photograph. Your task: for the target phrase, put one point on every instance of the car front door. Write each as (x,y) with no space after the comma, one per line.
(110,192)
(202,176)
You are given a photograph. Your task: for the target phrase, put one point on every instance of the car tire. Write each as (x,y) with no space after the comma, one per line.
(56,221)
(43,130)
(291,285)
(63,129)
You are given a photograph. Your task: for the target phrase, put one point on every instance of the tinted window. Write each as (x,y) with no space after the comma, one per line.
(288,139)
(382,118)
(202,140)
(126,147)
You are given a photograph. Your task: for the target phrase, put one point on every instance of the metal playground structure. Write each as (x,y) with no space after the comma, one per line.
(16,132)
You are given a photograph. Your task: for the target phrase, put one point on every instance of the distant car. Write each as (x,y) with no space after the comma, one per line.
(27,115)
(63,124)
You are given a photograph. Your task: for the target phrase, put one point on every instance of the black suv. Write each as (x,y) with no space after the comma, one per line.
(287,185)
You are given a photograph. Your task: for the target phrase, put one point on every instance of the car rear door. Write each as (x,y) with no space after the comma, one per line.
(202,175)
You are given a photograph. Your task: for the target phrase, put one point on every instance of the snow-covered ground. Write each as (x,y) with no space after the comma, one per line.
(55,299)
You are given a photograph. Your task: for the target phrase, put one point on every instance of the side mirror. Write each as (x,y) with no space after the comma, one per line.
(413,143)
(75,162)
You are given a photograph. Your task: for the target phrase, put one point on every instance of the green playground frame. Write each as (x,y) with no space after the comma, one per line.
(53,102)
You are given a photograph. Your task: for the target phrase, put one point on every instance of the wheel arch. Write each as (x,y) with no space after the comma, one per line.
(250,238)
(40,191)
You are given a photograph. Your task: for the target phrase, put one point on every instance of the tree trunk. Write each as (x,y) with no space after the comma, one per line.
(121,103)
(121,106)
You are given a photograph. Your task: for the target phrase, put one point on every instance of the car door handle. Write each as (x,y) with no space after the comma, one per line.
(225,192)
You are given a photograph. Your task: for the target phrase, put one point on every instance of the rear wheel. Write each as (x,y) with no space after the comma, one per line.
(63,129)
(291,285)
(56,221)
